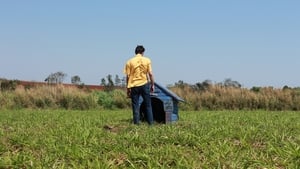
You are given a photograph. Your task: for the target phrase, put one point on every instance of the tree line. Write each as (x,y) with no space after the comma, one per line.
(109,81)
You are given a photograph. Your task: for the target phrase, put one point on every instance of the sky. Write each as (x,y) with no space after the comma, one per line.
(253,42)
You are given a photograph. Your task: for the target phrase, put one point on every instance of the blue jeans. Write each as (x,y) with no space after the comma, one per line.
(135,94)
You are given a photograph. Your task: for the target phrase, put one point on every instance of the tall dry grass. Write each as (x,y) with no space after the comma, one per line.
(217,97)
(214,97)
(66,97)
(48,96)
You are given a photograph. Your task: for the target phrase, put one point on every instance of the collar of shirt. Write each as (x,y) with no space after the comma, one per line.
(138,55)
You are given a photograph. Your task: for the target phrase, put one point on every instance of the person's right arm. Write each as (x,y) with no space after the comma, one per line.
(128,89)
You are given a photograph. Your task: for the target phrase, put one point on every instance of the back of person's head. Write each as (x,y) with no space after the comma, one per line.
(139,49)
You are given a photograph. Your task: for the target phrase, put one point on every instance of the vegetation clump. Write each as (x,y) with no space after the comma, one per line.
(57,96)
(231,96)
(228,95)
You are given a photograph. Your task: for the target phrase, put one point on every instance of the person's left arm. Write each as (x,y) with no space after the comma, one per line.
(151,81)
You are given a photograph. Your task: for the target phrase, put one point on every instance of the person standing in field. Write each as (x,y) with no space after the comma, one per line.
(140,82)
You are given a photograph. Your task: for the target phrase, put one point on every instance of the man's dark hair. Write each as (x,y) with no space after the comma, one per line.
(139,49)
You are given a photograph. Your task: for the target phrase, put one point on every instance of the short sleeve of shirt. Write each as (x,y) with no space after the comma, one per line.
(149,66)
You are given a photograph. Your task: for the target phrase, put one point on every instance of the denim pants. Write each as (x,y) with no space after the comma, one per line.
(143,91)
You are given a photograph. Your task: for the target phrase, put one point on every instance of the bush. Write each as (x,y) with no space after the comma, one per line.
(120,99)
(76,102)
(105,100)
(113,99)
(8,85)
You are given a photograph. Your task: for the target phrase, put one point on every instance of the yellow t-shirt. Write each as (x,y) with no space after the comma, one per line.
(137,69)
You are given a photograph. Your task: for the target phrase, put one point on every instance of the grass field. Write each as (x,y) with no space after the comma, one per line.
(107,139)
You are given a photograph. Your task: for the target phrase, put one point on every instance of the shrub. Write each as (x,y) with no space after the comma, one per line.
(105,100)
(8,85)
(113,99)
(120,99)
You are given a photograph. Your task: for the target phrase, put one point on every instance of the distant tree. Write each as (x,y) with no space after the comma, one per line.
(286,87)
(180,84)
(110,81)
(255,89)
(75,80)
(117,81)
(103,82)
(56,78)
(108,84)
(50,78)
(230,83)
(204,85)
(123,83)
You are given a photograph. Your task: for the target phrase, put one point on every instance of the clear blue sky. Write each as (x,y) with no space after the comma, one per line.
(254,42)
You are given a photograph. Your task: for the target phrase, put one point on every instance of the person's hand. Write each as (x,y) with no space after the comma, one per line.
(152,88)
(128,93)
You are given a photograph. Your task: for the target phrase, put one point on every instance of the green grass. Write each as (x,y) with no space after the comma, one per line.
(107,139)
